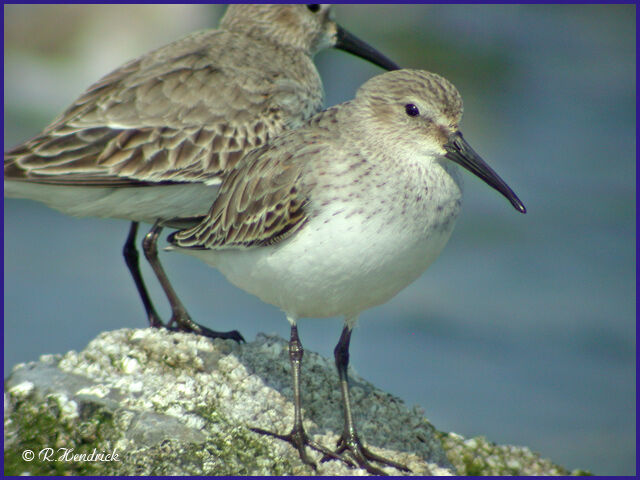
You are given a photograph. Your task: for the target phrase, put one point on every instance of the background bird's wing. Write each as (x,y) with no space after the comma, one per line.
(178,114)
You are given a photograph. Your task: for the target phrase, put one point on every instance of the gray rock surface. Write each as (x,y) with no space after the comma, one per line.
(151,402)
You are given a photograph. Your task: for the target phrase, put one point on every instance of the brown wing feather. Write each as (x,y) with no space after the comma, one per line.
(261,202)
(179,114)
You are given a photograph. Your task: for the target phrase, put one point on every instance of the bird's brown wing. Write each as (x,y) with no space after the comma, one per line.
(179,114)
(261,202)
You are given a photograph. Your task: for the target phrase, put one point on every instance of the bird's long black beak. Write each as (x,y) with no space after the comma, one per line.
(352,44)
(459,151)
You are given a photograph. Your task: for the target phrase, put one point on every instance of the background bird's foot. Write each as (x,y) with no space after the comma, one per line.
(183,323)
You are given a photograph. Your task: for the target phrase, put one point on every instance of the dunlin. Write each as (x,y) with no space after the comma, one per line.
(150,141)
(341,214)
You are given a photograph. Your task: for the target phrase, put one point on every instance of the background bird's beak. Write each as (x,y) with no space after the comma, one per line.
(459,151)
(352,44)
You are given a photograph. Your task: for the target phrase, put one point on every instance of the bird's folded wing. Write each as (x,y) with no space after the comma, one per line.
(155,119)
(261,202)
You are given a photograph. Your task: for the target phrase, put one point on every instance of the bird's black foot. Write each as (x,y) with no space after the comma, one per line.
(364,456)
(299,440)
(154,321)
(185,324)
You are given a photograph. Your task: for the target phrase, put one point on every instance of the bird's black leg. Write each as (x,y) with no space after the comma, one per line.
(131,258)
(349,439)
(179,316)
(298,438)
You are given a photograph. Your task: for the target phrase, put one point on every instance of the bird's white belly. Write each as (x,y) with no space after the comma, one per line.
(335,265)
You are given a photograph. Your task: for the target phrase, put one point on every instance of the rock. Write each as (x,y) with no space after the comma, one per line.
(152,402)
(478,456)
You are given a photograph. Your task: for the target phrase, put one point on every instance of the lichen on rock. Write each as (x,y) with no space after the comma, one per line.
(153,402)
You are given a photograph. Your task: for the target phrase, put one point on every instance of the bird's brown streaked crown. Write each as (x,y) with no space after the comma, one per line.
(294,26)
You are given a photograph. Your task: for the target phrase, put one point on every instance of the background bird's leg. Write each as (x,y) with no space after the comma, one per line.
(131,258)
(179,317)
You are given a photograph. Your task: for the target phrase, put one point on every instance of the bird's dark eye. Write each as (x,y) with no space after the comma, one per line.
(314,7)
(411,110)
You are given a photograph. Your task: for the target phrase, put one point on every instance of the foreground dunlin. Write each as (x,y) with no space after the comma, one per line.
(150,141)
(341,214)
